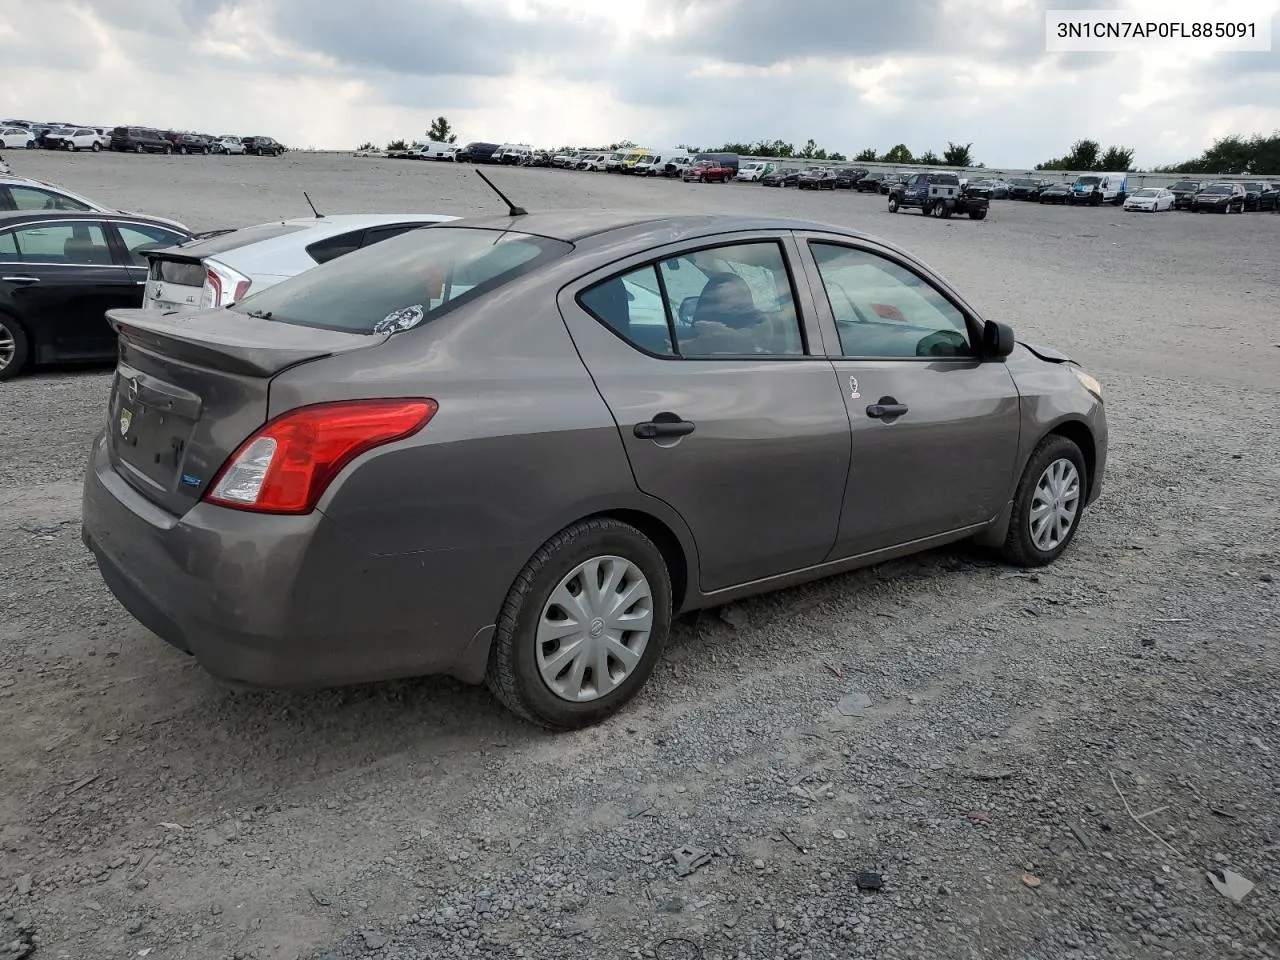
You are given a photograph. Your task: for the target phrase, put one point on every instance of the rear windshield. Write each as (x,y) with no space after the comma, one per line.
(187,273)
(396,284)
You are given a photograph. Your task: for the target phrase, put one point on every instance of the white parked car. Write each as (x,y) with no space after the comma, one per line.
(218,270)
(228,145)
(433,150)
(1150,200)
(25,194)
(16,138)
(82,138)
(4,167)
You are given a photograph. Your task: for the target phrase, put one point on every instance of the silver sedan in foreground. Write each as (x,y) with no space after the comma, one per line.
(512,449)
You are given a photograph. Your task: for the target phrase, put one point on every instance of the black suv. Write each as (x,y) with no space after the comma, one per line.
(262,146)
(140,140)
(1184,193)
(188,142)
(479,151)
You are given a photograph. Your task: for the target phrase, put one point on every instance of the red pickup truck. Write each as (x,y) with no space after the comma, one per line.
(708,171)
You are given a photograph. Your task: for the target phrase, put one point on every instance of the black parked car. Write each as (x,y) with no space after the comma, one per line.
(894,180)
(995,189)
(1055,193)
(1220,198)
(1184,193)
(140,140)
(847,179)
(869,183)
(1026,188)
(817,178)
(1260,195)
(782,177)
(189,142)
(479,151)
(262,146)
(61,271)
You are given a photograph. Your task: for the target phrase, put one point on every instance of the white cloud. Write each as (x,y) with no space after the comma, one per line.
(854,73)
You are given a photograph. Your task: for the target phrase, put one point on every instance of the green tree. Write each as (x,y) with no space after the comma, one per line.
(397,145)
(367,145)
(1082,156)
(957,155)
(622,145)
(866,156)
(898,154)
(929,159)
(441,131)
(838,157)
(1235,154)
(1116,159)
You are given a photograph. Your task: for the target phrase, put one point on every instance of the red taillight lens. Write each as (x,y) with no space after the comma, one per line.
(211,296)
(286,466)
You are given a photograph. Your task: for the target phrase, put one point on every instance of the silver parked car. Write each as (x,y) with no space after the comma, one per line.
(227,265)
(512,449)
(26,195)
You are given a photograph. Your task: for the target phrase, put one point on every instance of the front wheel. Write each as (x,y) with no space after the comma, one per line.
(583,625)
(14,348)
(977,214)
(893,204)
(96,146)
(1047,504)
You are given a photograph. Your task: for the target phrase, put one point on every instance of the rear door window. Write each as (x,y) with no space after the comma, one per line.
(72,243)
(404,281)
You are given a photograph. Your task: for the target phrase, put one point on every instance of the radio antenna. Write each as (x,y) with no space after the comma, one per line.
(511,207)
(319,215)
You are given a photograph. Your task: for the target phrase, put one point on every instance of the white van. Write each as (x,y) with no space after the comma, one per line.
(593,161)
(655,164)
(753,171)
(1098,188)
(433,150)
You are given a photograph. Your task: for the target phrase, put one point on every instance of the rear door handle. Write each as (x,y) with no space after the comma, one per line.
(663,425)
(22,279)
(882,410)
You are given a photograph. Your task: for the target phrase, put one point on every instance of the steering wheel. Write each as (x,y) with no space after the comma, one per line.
(943,343)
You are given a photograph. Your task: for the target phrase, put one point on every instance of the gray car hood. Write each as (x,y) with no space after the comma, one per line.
(1047,354)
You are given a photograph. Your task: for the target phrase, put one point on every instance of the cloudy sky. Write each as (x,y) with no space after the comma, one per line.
(848,73)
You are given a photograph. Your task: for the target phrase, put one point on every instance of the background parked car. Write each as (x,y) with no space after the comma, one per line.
(61,271)
(1184,193)
(1220,198)
(1026,188)
(894,180)
(75,138)
(478,151)
(1150,200)
(1055,193)
(869,183)
(707,171)
(26,194)
(228,266)
(227,145)
(755,170)
(1260,195)
(185,143)
(817,178)
(262,146)
(993,188)
(140,140)
(17,138)
(782,177)
(847,177)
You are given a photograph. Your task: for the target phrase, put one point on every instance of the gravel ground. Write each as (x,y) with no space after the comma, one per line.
(928,759)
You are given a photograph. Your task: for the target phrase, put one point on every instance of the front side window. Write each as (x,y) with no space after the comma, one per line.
(77,243)
(719,302)
(403,282)
(883,310)
(8,248)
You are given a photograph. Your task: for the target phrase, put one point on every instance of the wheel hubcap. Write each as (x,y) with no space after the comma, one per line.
(594,629)
(1055,504)
(7,346)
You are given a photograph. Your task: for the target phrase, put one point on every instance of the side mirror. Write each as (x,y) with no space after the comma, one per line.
(997,340)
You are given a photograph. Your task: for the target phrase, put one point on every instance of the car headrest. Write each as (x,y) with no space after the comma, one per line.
(78,250)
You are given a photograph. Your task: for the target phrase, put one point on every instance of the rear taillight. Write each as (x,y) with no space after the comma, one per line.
(286,466)
(223,286)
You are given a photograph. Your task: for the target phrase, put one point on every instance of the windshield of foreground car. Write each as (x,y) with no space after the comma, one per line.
(401,282)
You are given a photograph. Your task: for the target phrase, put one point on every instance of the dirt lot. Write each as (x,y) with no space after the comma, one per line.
(1007,718)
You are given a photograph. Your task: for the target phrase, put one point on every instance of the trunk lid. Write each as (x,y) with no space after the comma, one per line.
(189,388)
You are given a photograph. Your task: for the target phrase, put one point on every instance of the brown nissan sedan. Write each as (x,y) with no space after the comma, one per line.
(512,449)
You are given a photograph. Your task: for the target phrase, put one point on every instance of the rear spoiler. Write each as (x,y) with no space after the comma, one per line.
(234,342)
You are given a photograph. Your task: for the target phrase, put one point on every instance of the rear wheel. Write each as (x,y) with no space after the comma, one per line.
(583,625)
(977,214)
(14,347)
(1047,505)
(944,211)
(137,148)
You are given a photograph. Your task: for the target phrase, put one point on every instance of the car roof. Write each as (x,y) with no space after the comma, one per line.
(8,217)
(573,226)
(305,229)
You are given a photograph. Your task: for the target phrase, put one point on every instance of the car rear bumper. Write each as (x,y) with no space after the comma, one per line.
(285,601)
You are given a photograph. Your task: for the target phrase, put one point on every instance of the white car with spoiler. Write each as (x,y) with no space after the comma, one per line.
(218,269)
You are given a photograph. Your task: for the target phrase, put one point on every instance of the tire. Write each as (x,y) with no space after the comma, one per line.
(260,151)
(15,349)
(71,147)
(977,214)
(168,150)
(205,151)
(137,148)
(97,147)
(31,144)
(513,673)
(893,203)
(1096,200)
(945,212)
(1020,547)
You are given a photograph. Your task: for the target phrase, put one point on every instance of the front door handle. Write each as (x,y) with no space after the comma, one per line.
(22,279)
(886,409)
(663,425)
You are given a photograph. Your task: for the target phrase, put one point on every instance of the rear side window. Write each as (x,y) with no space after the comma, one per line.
(400,283)
(378,234)
(31,198)
(330,248)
